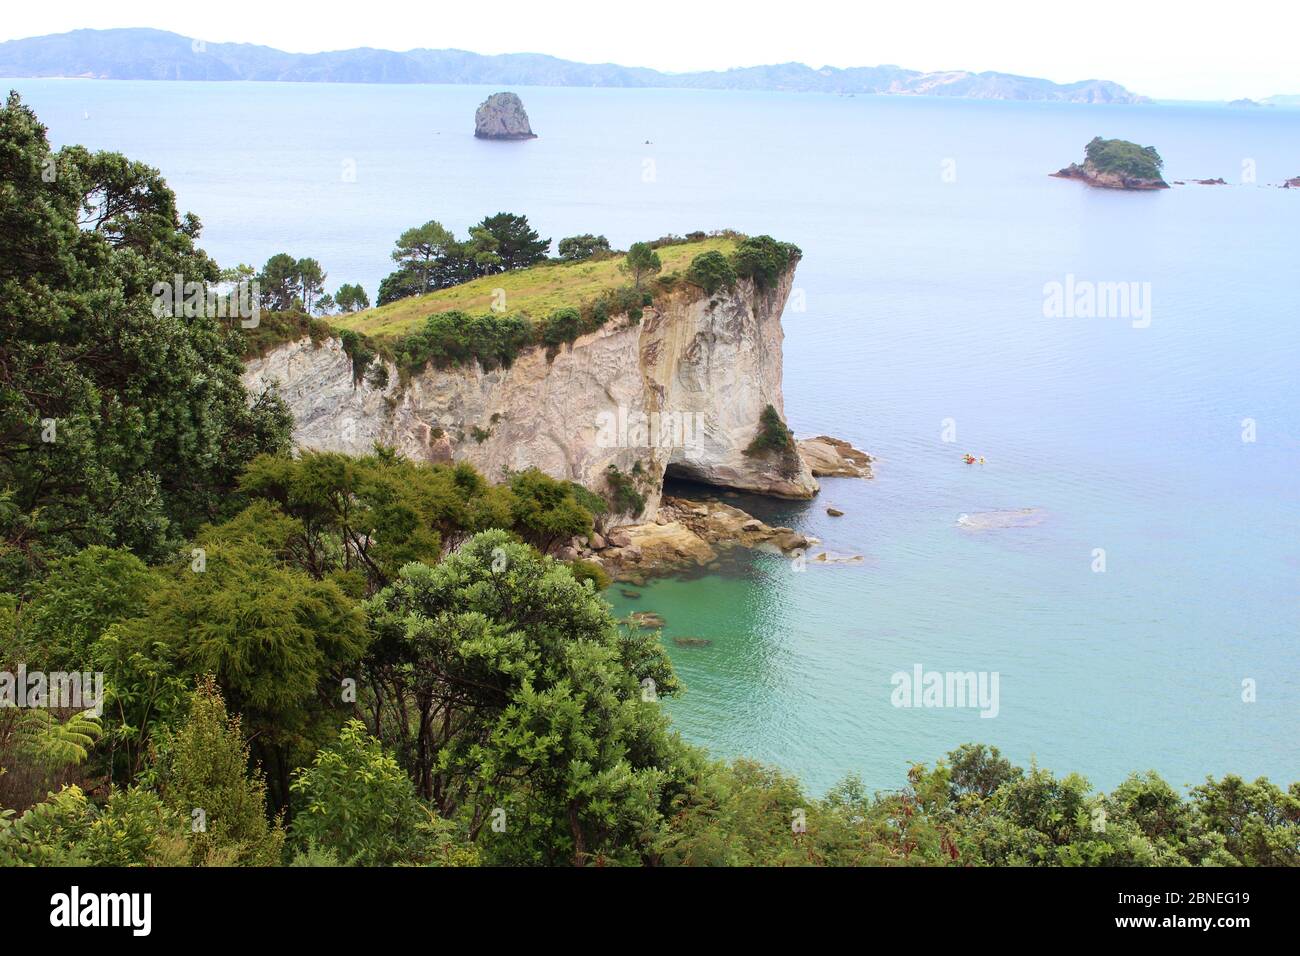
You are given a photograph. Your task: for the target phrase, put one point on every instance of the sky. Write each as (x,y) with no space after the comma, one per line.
(1167,50)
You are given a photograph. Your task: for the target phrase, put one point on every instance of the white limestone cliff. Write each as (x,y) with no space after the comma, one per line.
(681,391)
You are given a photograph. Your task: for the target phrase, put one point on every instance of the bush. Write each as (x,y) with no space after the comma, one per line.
(361,354)
(774,439)
(205,780)
(358,802)
(586,246)
(711,271)
(455,338)
(584,571)
(561,327)
(763,259)
(625,496)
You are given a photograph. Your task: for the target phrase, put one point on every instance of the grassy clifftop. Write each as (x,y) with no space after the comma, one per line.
(534,292)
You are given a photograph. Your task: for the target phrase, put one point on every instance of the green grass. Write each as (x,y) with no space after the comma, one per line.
(535,292)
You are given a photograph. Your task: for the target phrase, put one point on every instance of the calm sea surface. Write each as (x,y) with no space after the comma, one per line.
(929,230)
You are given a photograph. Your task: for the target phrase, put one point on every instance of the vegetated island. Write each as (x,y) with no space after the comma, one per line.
(1117,164)
(502,116)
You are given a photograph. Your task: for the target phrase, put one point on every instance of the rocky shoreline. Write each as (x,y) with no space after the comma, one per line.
(685,534)
(691,534)
(834,458)
(1090,174)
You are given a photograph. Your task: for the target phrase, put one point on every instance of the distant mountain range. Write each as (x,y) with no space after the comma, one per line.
(143,54)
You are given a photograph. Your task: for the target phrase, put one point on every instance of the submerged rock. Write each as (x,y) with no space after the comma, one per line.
(692,641)
(993,520)
(502,116)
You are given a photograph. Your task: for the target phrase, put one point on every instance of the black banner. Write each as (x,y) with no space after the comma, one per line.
(342,906)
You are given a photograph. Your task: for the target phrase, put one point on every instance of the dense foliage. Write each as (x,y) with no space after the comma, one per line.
(361,660)
(122,423)
(1125,158)
(711,271)
(430,256)
(586,246)
(764,260)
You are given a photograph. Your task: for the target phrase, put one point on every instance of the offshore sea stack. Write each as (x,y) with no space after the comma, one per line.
(502,116)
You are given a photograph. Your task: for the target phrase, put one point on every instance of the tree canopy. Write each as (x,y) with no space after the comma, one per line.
(121,424)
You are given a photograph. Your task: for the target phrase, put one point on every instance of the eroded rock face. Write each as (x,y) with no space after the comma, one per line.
(502,116)
(681,389)
(834,458)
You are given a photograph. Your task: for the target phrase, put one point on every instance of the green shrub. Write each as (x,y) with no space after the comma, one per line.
(584,571)
(625,495)
(711,271)
(456,338)
(561,327)
(361,353)
(774,439)
(763,259)
(358,802)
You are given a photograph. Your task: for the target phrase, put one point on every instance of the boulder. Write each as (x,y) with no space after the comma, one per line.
(833,458)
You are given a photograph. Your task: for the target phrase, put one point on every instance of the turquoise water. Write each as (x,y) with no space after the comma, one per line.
(924,302)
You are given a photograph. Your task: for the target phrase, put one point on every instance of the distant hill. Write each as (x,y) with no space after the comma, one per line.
(143,54)
(1282,99)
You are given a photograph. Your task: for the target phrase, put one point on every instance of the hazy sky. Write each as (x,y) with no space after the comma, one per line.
(1176,50)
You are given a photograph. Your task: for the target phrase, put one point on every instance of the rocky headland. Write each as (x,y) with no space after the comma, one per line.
(703,370)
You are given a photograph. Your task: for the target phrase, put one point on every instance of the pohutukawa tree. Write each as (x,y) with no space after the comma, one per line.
(118,426)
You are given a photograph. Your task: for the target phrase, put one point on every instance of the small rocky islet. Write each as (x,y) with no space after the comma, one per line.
(1117,164)
(502,116)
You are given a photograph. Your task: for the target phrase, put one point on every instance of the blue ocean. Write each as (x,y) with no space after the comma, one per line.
(1146,617)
